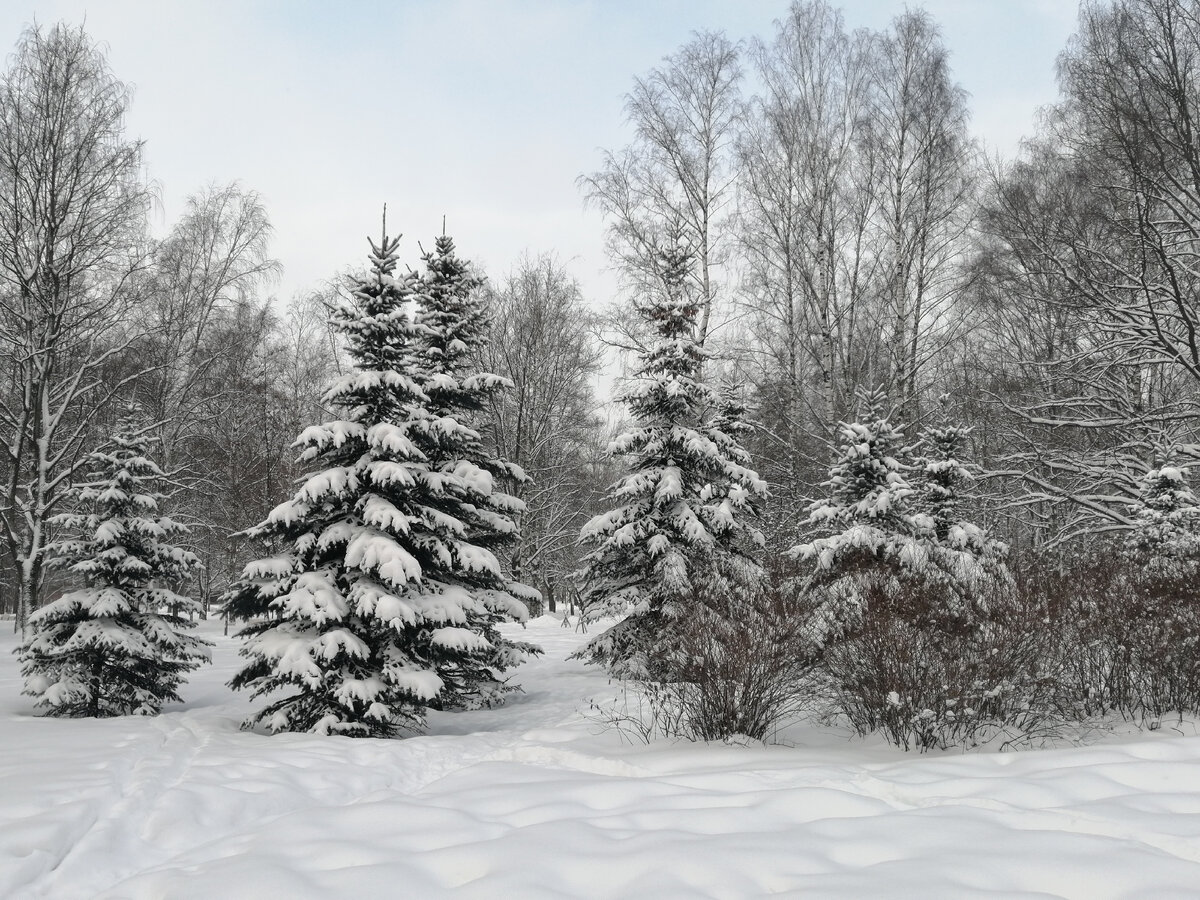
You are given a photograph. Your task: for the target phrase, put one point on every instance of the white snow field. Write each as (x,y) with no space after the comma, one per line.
(534,800)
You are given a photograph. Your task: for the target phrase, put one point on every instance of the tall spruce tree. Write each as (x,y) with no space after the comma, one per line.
(118,644)
(454,327)
(371,612)
(681,524)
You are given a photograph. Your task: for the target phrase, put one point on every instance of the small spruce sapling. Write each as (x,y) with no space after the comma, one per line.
(871,528)
(964,550)
(889,515)
(867,513)
(902,591)
(1165,540)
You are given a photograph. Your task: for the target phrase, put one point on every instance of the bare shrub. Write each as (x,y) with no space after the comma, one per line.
(925,678)
(744,671)
(740,664)
(1126,636)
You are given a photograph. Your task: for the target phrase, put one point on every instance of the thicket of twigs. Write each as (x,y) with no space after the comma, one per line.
(1067,640)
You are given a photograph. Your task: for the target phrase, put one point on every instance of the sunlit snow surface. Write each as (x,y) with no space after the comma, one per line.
(532,801)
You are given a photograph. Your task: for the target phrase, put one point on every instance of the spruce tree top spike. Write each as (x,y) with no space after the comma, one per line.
(673,315)
(383,254)
(872,404)
(944,406)
(128,430)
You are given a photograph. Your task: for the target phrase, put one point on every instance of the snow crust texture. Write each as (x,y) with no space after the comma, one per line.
(533,801)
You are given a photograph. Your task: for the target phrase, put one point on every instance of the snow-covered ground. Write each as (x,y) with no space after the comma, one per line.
(534,800)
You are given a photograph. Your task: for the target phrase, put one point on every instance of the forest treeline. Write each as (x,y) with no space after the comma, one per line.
(851,234)
(815,254)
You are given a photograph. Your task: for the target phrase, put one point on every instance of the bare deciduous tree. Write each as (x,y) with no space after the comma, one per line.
(917,125)
(676,178)
(72,214)
(1098,229)
(808,192)
(544,339)
(211,264)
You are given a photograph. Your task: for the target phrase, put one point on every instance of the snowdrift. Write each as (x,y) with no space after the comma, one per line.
(534,800)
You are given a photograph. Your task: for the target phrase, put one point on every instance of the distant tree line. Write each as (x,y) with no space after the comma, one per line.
(849,234)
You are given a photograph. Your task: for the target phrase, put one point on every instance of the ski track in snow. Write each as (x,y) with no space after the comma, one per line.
(533,800)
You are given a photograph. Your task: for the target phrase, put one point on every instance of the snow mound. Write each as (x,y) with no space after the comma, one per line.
(530,800)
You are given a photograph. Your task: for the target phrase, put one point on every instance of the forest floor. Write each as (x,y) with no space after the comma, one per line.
(536,800)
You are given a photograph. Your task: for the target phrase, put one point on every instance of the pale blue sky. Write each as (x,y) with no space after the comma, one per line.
(483,110)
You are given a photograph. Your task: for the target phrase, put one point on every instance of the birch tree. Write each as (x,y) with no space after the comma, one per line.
(808,194)
(72,212)
(676,176)
(205,272)
(917,125)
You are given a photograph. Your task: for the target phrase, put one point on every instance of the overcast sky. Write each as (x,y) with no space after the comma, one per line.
(485,111)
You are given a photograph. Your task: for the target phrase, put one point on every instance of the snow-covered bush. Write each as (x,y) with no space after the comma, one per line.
(117,645)
(382,597)
(680,525)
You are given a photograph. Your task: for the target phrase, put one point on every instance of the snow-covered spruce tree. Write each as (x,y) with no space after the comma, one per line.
(118,644)
(875,526)
(868,516)
(374,601)
(729,415)
(1165,540)
(940,475)
(453,328)
(680,527)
